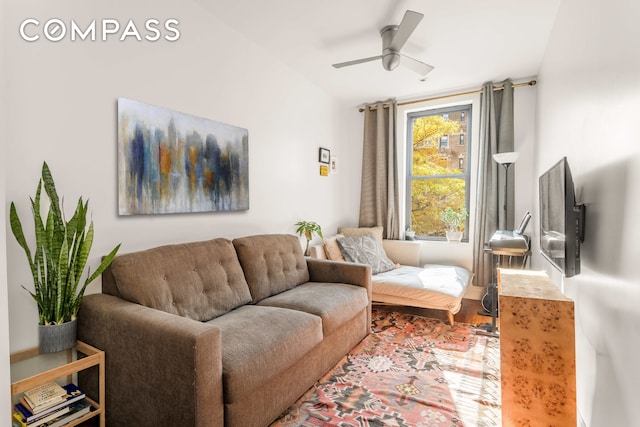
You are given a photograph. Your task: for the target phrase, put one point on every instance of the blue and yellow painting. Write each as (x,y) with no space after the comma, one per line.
(171,162)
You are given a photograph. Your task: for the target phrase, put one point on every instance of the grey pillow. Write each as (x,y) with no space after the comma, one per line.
(366,250)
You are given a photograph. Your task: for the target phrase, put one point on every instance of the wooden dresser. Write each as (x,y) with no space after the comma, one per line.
(537,351)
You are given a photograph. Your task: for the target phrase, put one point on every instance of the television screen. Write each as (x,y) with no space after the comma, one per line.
(561,219)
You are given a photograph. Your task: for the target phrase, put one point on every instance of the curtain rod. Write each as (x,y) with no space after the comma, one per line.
(471,92)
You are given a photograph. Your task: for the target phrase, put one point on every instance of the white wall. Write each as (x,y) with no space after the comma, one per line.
(5,413)
(588,100)
(61,107)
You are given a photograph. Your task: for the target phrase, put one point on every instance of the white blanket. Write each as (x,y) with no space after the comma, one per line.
(438,286)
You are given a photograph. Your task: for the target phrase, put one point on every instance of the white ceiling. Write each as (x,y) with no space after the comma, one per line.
(468,42)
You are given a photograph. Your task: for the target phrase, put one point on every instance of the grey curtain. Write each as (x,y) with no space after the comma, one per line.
(496,136)
(379,193)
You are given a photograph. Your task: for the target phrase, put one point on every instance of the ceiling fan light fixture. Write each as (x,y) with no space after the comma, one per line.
(390,60)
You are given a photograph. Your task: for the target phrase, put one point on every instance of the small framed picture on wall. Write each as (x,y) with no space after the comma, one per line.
(324,155)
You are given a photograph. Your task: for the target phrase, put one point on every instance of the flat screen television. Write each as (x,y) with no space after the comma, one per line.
(561,219)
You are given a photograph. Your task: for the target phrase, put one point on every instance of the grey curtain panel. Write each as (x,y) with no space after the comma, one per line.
(496,136)
(505,144)
(379,194)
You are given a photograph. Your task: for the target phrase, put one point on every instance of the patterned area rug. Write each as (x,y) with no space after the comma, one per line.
(411,371)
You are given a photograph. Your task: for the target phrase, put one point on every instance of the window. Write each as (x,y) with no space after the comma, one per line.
(437,173)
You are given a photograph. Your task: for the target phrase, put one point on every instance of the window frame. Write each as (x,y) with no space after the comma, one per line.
(467,110)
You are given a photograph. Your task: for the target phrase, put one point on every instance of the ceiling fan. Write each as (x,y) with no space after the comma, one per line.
(393,39)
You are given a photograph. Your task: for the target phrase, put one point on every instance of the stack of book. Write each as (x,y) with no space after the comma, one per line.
(50,405)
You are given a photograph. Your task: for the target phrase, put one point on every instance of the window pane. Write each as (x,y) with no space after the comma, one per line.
(431,153)
(438,167)
(429,197)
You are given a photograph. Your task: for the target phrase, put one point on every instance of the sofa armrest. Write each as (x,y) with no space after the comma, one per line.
(161,369)
(405,252)
(321,270)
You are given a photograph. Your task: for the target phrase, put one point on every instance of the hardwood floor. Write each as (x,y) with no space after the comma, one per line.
(467,314)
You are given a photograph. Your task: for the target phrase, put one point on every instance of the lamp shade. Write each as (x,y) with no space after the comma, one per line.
(506,158)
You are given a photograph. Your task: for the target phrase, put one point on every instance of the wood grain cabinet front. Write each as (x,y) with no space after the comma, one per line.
(537,351)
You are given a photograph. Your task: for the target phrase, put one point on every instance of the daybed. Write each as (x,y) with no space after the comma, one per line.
(221,332)
(439,287)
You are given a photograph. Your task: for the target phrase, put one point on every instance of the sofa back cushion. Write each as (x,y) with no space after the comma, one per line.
(376,232)
(272,263)
(198,280)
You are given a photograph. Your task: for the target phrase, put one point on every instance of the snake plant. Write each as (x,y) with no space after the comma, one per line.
(61,252)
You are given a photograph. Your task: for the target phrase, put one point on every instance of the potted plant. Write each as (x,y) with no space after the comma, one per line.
(308,229)
(454,220)
(410,234)
(57,264)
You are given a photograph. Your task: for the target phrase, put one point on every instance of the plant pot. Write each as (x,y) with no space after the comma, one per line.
(454,236)
(54,338)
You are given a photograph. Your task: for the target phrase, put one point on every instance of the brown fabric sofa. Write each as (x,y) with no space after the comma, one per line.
(221,332)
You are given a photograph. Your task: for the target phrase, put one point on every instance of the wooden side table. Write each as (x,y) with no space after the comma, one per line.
(82,356)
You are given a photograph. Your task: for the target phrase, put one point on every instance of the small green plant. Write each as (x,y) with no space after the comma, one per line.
(61,252)
(454,219)
(308,229)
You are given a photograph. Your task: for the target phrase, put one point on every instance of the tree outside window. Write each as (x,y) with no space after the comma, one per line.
(437,171)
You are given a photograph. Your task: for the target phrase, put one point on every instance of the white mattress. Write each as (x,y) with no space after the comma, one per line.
(434,286)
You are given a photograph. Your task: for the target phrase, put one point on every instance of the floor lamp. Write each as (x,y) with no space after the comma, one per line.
(506,160)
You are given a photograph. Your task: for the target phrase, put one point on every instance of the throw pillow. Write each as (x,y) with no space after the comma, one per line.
(331,248)
(362,231)
(366,250)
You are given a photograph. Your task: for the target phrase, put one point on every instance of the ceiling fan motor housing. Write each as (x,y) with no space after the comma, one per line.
(390,56)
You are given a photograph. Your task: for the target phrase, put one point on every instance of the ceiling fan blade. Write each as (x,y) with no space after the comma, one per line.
(408,25)
(416,66)
(356,61)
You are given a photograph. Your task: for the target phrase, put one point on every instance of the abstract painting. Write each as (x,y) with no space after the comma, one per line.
(172,162)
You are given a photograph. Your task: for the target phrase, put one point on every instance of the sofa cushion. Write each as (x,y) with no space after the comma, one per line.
(366,250)
(260,342)
(362,231)
(335,303)
(332,249)
(198,280)
(272,263)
